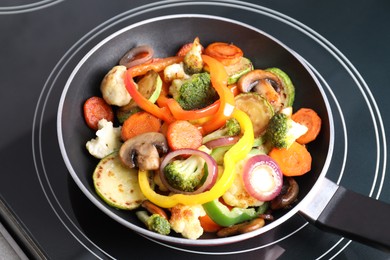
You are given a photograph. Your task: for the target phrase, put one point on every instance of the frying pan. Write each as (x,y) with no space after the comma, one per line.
(320,201)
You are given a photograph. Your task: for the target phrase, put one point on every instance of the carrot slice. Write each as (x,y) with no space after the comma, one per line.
(96,108)
(164,128)
(182,134)
(294,161)
(309,118)
(226,53)
(184,49)
(139,123)
(208,224)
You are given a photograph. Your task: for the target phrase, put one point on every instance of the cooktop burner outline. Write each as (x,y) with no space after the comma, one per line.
(23,8)
(252,8)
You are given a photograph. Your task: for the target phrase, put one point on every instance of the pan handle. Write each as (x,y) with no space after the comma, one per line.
(349,214)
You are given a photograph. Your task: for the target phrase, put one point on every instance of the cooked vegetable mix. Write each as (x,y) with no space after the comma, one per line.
(198,142)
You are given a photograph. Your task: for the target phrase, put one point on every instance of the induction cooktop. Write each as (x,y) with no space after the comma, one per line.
(42,42)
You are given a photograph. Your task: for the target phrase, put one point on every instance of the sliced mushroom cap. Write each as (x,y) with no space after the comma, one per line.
(265,83)
(266,89)
(287,196)
(144,151)
(248,81)
(241,228)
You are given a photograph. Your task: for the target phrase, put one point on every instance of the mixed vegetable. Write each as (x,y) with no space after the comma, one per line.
(198,142)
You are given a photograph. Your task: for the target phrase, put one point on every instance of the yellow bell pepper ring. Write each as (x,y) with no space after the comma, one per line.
(236,153)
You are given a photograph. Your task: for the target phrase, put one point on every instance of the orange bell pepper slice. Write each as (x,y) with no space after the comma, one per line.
(179,113)
(219,79)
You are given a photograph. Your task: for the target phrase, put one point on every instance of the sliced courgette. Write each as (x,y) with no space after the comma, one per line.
(124,112)
(287,92)
(238,69)
(257,108)
(116,184)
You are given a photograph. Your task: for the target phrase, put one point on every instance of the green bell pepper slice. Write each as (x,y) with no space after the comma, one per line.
(226,217)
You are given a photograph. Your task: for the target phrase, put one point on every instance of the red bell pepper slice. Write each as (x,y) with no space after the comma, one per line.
(160,112)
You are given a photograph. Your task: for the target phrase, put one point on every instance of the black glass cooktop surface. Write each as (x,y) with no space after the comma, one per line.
(344,44)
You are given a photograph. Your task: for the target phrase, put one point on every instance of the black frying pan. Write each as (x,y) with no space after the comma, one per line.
(320,201)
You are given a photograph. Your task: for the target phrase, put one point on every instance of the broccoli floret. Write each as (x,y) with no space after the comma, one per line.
(231,128)
(282,131)
(195,92)
(154,222)
(186,174)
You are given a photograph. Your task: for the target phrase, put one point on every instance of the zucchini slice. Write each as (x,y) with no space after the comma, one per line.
(126,111)
(257,108)
(116,184)
(238,69)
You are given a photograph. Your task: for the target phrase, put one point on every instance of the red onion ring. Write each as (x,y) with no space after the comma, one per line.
(223,141)
(138,55)
(212,170)
(249,177)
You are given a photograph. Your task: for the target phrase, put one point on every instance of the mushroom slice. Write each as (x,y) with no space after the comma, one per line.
(286,90)
(287,196)
(248,81)
(272,84)
(266,89)
(143,151)
(262,82)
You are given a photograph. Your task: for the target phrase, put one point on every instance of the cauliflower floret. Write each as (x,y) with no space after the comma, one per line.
(185,220)
(175,71)
(113,87)
(236,195)
(193,62)
(107,141)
